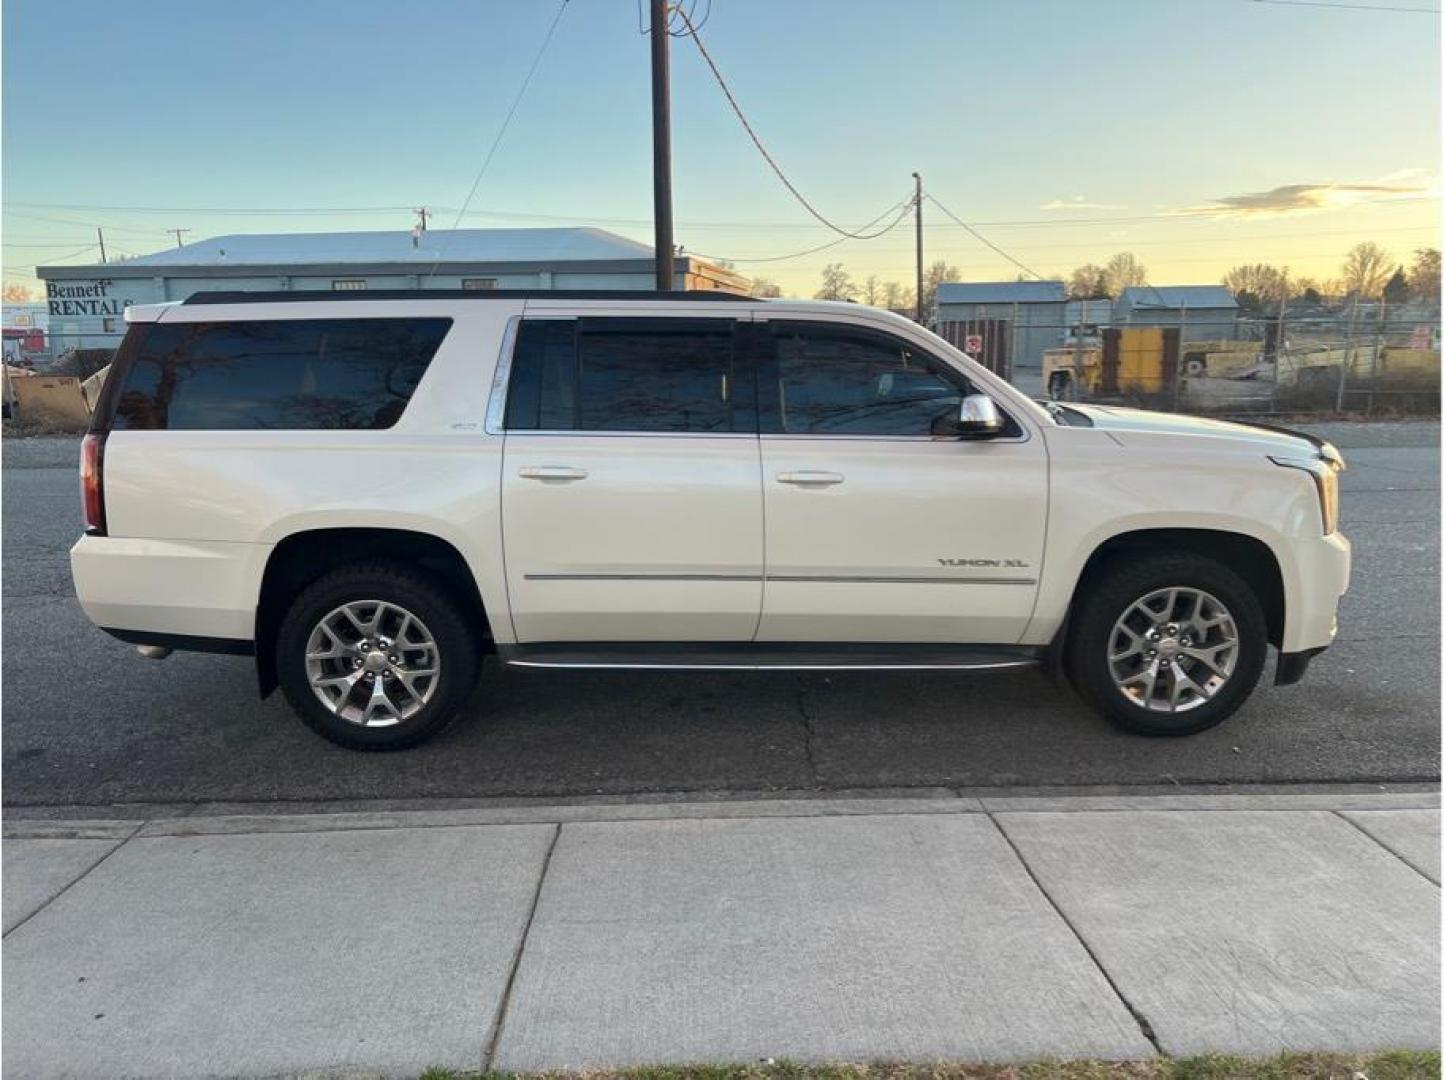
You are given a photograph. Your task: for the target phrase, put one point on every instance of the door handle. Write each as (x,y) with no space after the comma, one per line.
(810,478)
(552,472)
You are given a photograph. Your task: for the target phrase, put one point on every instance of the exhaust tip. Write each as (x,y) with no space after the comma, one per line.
(153,652)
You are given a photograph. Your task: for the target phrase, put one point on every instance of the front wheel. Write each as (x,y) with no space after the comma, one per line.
(376,656)
(1166,645)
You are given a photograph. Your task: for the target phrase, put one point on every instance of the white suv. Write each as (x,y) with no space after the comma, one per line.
(370,491)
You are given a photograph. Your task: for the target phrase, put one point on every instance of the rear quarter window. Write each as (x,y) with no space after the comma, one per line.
(280,374)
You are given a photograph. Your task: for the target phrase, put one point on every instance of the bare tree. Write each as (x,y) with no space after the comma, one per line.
(872,291)
(1366,268)
(837,284)
(898,297)
(18,294)
(1124,270)
(1088,282)
(1258,286)
(1424,275)
(765,288)
(939,272)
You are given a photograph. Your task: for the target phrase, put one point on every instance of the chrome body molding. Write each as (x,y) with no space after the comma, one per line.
(845,579)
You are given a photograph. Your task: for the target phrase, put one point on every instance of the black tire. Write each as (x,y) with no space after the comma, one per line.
(418,593)
(1107,595)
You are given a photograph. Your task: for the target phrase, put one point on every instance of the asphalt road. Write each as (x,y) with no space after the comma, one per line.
(87,722)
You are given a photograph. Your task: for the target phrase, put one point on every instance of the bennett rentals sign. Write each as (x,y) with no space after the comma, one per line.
(95,299)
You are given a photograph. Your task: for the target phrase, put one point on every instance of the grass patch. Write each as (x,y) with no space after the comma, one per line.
(1392,1065)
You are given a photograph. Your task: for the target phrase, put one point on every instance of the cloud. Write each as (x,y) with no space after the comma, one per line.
(1310,198)
(1078,202)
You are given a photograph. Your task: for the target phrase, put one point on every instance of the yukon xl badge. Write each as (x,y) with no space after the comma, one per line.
(982,562)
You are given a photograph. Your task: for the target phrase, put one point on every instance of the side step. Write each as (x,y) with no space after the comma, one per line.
(767,656)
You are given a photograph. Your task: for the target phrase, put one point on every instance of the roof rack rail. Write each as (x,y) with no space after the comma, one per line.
(326,295)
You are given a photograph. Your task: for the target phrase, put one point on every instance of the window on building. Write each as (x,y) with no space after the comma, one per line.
(478,283)
(349,284)
(837,380)
(628,375)
(280,375)
(107,326)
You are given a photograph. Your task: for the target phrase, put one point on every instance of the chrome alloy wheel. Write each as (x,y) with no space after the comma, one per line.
(372,663)
(1173,650)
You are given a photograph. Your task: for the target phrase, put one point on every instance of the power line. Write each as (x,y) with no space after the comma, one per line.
(1006,223)
(1348,7)
(215,209)
(979,236)
(902,209)
(67,255)
(757,142)
(1247,246)
(500,132)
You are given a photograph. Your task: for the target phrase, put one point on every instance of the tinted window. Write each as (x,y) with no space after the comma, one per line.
(839,381)
(279,374)
(629,375)
(542,390)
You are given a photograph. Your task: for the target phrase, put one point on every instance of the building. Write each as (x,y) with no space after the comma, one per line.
(1086,320)
(1034,313)
(25,325)
(1203,312)
(86,304)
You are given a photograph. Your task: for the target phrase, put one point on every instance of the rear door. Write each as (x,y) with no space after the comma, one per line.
(879,530)
(631,490)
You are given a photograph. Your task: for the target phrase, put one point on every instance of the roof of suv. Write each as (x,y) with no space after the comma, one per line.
(287,296)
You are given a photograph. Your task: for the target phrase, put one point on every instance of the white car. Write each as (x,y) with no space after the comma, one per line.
(369,492)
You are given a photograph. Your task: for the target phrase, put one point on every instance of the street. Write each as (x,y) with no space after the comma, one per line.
(89,723)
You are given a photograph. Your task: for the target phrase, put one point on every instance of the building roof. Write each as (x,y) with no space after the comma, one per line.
(1178,296)
(448,246)
(1001,292)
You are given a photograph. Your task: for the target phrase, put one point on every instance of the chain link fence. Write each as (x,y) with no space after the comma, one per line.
(1366,361)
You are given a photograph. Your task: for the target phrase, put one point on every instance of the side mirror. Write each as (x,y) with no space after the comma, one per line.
(979,418)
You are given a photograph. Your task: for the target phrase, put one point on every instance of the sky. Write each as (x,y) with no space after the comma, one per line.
(1197,134)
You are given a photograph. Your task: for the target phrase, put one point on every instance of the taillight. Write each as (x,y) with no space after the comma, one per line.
(92,482)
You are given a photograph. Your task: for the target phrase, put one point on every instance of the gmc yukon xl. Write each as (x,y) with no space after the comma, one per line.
(370,492)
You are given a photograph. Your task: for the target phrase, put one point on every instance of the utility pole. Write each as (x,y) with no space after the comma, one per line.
(178,235)
(423,213)
(661,148)
(918,213)
(99,235)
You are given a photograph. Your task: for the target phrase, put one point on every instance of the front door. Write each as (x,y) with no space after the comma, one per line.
(879,530)
(631,498)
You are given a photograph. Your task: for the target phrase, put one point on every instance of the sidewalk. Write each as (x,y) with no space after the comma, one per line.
(526,938)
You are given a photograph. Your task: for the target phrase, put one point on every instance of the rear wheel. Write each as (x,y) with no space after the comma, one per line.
(376,657)
(1167,645)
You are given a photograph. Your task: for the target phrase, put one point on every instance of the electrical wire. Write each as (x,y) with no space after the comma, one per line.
(902,209)
(757,142)
(979,236)
(52,262)
(692,29)
(216,209)
(501,132)
(1349,7)
(1061,222)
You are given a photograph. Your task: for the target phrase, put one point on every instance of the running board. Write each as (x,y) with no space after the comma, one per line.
(767,656)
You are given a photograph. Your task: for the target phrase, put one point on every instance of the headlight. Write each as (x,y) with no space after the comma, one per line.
(1325,470)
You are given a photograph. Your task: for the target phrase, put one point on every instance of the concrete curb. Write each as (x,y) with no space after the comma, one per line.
(576,813)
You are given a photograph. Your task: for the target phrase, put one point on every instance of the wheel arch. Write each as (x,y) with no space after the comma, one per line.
(301,557)
(1247,556)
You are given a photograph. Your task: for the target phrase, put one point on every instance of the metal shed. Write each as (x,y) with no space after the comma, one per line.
(1035,312)
(1201,312)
